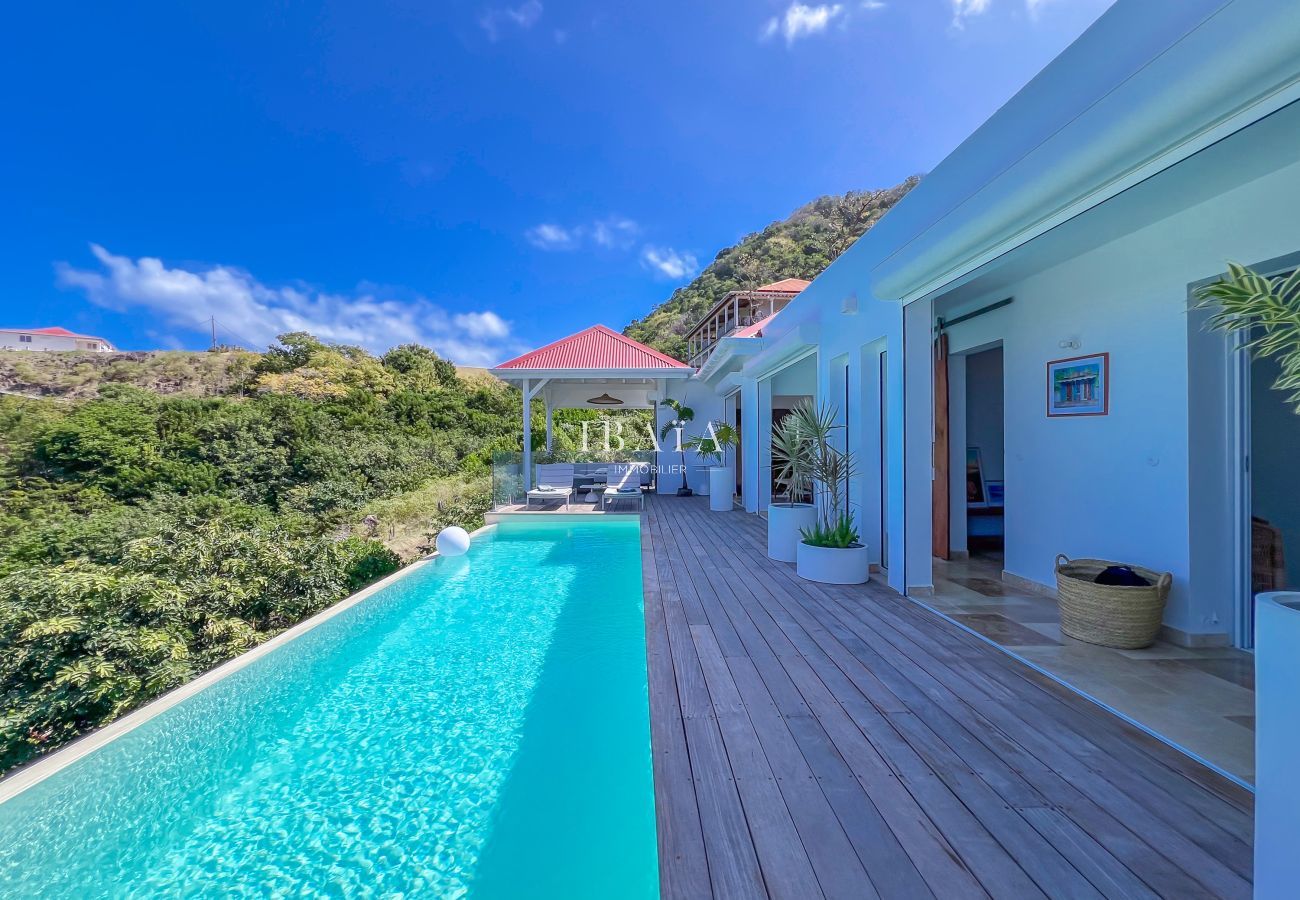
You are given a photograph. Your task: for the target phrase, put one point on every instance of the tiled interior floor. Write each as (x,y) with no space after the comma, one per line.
(1202,700)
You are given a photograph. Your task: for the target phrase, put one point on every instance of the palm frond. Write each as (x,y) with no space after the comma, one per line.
(1266,311)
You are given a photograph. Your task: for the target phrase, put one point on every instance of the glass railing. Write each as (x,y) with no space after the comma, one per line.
(509,487)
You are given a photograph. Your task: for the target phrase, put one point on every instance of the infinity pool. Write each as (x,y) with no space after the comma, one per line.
(478,728)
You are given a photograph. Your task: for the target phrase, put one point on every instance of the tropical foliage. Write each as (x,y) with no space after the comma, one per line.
(792,459)
(1267,311)
(712,446)
(146,537)
(800,246)
(813,435)
(682,416)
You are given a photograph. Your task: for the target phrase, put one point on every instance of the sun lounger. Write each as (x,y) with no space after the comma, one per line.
(554,482)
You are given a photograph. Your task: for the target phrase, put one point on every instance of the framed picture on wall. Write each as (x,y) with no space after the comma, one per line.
(1079,386)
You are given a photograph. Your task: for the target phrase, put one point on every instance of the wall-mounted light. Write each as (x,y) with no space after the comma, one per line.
(849,305)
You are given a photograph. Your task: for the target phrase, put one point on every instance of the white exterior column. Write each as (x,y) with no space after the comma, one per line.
(763,472)
(750,437)
(918,443)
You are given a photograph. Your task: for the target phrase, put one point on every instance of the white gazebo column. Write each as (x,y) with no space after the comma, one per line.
(530,390)
(549,410)
(527,470)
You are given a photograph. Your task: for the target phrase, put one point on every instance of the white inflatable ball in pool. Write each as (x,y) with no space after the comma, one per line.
(453,541)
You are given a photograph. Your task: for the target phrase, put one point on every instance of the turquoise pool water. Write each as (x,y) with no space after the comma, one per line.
(479,728)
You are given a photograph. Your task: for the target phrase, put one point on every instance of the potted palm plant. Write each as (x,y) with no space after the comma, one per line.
(682,416)
(830,551)
(713,447)
(792,470)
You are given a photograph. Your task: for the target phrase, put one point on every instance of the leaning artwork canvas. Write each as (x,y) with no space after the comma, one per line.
(1079,386)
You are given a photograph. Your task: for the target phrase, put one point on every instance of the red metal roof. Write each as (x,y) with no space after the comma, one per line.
(792,285)
(597,347)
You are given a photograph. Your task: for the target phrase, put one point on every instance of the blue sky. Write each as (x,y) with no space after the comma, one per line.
(479,176)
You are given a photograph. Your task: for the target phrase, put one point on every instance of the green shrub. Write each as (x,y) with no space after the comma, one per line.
(147,535)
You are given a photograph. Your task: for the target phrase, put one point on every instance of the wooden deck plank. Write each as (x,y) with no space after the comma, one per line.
(1191,837)
(684,869)
(1212,872)
(845,740)
(1187,810)
(732,857)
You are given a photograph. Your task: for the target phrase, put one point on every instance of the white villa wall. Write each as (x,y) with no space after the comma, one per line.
(1118,486)
(851,338)
(708,406)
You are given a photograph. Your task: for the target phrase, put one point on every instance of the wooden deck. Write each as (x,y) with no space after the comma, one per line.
(812,741)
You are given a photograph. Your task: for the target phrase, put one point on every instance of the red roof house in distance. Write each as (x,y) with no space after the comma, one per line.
(739,311)
(52,338)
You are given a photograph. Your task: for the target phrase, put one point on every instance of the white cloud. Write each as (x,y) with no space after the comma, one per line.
(250,310)
(877,4)
(668,263)
(524,16)
(549,236)
(613,232)
(964,9)
(800,21)
(484,325)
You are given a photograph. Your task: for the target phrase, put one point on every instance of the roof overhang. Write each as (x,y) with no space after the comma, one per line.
(778,353)
(654,374)
(1146,87)
(728,356)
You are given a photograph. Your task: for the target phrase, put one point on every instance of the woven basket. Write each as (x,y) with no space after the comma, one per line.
(1110,615)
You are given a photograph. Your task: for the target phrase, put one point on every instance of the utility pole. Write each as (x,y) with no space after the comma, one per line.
(213,320)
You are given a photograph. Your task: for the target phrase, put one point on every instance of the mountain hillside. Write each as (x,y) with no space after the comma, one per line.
(800,246)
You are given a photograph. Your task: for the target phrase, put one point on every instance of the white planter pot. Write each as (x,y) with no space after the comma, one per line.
(1277,734)
(721,488)
(833,565)
(783,523)
(699,480)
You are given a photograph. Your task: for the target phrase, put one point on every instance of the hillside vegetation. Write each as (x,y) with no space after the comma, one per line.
(800,246)
(197,504)
(79,376)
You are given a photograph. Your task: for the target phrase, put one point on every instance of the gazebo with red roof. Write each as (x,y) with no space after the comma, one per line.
(597,368)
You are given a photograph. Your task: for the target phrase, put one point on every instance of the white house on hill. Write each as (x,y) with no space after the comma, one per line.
(54,338)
